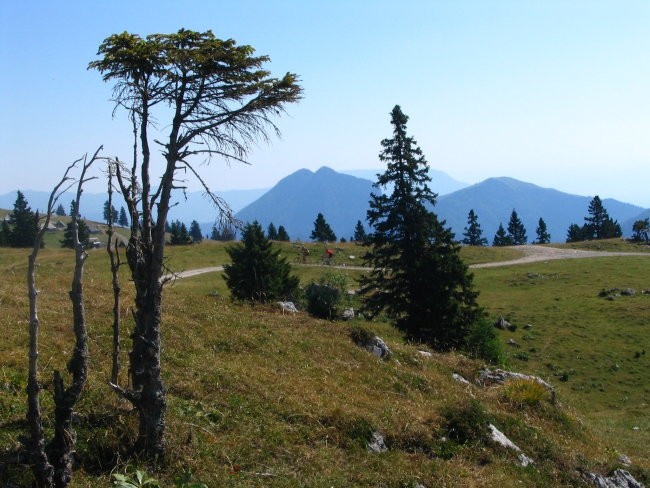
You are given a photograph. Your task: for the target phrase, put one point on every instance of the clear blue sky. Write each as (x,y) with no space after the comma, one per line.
(553,92)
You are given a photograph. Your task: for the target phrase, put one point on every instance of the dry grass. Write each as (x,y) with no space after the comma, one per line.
(261,398)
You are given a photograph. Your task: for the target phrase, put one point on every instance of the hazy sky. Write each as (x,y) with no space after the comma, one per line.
(556,93)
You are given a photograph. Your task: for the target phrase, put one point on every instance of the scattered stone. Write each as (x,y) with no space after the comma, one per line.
(499,437)
(512,342)
(425,354)
(288,307)
(460,379)
(502,323)
(512,327)
(528,326)
(377,443)
(625,461)
(348,314)
(628,292)
(351,292)
(619,479)
(635,428)
(379,348)
(487,377)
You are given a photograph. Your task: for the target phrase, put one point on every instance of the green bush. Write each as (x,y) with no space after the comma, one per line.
(482,342)
(466,422)
(322,300)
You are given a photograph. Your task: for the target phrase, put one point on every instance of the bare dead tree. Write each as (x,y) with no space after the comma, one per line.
(114,256)
(41,467)
(62,449)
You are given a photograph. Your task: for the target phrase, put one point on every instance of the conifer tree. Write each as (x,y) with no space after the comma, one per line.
(23,223)
(473,233)
(543,237)
(501,238)
(359,232)
(60,210)
(123,219)
(195,232)
(322,231)
(110,212)
(272,233)
(83,231)
(257,272)
(516,230)
(282,234)
(417,275)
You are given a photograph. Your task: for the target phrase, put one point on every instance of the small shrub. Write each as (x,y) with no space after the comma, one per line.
(361,336)
(322,300)
(522,356)
(466,423)
(524,393)
(348,430)
(140,479)
(482,342)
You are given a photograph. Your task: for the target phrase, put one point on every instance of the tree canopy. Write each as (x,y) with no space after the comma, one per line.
(417,275)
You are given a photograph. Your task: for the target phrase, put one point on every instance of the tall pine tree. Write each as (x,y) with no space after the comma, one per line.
(516,230)
(322,231)
(543,237)
(417,275)
(473,233)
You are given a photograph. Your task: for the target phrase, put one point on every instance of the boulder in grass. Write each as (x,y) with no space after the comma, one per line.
(619,479)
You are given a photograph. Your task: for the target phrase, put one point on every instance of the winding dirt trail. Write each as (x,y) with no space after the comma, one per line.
(530,254)
(533,254)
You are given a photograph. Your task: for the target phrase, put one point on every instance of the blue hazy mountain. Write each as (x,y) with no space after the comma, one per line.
(297,199)
(494,199)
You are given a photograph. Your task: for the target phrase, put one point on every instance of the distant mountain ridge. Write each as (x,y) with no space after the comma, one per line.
(441,182)
(342,198)
(296,200)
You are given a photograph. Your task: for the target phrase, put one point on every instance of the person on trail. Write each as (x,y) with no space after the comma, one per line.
(304,252)
(329,254)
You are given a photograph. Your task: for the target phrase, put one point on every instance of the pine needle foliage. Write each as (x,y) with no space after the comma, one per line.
(417,277)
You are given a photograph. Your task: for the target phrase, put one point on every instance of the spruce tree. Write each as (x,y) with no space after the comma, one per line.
(272,233)
(596,220)
(110,212)
(23,223)
(282,234)
(83,232)
(516,230)
(257,272)
(417,277)
(501,238)
(359,232)
(60,210)
(123,219)
(195,232)
(575,233)
(322,231)
(543,237)
(473,233)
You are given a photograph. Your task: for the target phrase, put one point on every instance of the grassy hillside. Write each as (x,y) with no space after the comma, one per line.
(261,398)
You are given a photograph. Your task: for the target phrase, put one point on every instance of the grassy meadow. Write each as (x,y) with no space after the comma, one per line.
(257,397)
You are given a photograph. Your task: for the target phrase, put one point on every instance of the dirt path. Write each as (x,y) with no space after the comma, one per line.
(533,254)
(530,254)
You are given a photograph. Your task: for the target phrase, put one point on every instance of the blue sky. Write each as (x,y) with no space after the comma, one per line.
(555,93)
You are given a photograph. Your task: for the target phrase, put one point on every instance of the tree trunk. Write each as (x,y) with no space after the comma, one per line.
(41,467)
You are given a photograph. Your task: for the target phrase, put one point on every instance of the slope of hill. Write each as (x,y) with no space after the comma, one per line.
(297,199)
(494,199)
